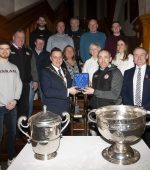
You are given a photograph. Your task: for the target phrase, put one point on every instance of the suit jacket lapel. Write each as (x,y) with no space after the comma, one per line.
(147,73)
(55,72)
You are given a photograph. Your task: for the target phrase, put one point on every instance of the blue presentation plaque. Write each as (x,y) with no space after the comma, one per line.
(81,80)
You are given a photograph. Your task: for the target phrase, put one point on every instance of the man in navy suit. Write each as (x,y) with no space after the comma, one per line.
(56,84)
(130,84)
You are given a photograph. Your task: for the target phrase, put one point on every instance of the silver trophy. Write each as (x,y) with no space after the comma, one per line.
(121,125)
(45,132)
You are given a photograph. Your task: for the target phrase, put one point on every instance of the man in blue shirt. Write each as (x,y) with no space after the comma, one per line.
(91,37)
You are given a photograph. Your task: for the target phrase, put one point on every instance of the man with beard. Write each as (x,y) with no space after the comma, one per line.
(40,31)
(10,91)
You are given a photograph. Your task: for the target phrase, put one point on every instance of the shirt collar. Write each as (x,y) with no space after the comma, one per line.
(38,51)
(142,67)
(56,68)
(15,46)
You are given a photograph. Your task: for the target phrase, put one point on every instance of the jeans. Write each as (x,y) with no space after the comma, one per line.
(31,98)
(8,118)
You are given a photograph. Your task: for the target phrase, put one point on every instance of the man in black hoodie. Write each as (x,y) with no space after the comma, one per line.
(40,31)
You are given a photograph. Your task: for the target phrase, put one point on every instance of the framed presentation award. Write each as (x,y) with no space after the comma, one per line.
(81,80)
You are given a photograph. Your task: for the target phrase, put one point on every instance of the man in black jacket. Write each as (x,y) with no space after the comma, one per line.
(22,57)
(42,58)
(40,31)
(106,83)
(75,32)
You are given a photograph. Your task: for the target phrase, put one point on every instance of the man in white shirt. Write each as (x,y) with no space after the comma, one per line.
(136,85)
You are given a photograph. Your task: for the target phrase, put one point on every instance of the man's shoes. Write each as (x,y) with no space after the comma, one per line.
(9,162)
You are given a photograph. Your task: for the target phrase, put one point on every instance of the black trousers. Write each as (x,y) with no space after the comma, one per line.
(146,136)
(23,103)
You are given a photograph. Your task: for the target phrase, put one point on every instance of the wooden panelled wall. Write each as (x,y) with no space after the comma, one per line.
(142,26)
(26,19)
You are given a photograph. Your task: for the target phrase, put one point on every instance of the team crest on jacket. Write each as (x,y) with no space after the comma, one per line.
(95,75)
(27,53)
(106,76)
(12,52)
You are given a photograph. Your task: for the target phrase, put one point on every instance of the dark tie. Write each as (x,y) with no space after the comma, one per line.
(138,89)
(59,72)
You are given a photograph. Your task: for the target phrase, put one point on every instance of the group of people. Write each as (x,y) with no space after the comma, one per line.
(115,75)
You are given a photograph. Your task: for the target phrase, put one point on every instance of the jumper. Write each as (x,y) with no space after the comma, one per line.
(88,38)
(11,85)
(59,41)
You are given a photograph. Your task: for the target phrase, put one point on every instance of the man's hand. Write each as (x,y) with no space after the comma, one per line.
(73,90)
(88,90)
(11,105)
(34,86)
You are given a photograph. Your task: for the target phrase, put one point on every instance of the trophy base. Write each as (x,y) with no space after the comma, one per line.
(45,157)
(125,155)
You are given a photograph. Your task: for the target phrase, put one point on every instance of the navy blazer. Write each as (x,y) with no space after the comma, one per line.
(127,89)
(54,90)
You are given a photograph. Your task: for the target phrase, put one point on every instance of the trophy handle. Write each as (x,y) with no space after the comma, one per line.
(66,121)
(20,125)
(90,118)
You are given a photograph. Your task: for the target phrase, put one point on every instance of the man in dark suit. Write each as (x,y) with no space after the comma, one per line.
(56,84)
(135,92)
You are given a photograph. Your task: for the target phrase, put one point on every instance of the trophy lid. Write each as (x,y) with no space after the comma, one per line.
(45,116)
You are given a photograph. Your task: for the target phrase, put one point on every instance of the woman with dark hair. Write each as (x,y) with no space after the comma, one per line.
(69,60)
(123,59)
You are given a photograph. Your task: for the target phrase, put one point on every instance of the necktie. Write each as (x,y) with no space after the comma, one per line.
(59,72)
(138,89)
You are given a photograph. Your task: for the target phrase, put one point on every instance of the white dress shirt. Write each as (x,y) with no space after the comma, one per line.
(143,69)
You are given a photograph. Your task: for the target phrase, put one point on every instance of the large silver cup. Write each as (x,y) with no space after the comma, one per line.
(121,125)
(45,132)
